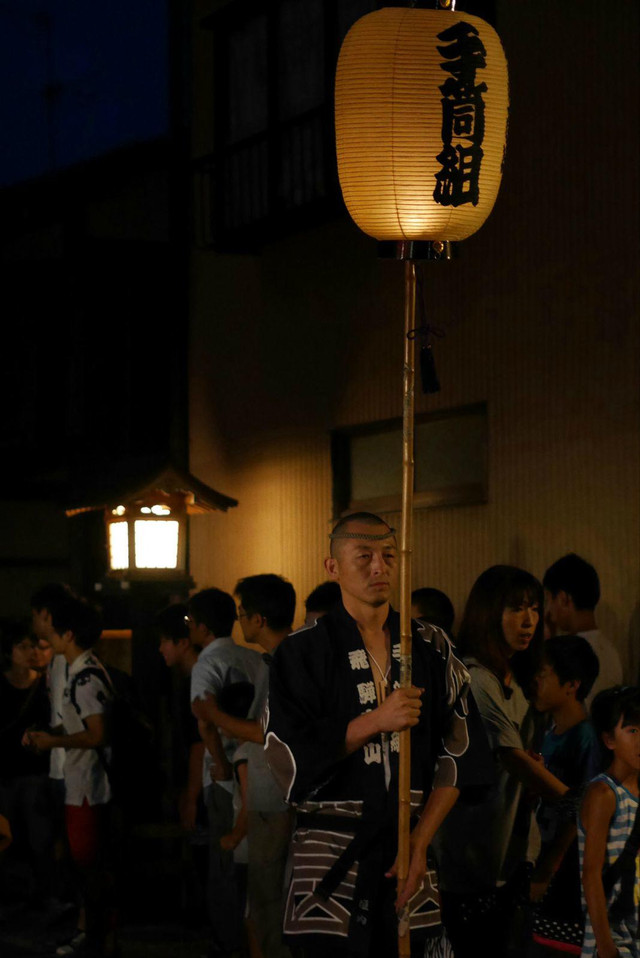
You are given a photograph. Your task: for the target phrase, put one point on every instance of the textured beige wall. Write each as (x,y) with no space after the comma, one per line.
(541,321)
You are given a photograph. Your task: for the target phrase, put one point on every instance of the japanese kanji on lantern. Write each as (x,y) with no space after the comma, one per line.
(421,119)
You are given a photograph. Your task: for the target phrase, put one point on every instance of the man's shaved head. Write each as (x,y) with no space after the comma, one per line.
(359,525)
(363,561)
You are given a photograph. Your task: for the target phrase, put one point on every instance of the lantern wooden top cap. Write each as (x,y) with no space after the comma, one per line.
(171,484)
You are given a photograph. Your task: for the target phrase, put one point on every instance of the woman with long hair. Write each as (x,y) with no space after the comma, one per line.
(484,850)
(502,626)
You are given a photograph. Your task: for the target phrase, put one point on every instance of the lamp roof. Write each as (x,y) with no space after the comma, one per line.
(170,480)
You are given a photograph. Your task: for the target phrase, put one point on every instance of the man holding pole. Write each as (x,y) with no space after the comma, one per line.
(333,721)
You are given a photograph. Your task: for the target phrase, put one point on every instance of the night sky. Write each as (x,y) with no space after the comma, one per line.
(78,79)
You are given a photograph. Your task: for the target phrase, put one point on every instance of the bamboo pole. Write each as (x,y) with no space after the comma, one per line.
(404,779)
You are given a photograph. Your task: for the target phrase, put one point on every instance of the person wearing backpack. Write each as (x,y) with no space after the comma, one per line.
(86,707)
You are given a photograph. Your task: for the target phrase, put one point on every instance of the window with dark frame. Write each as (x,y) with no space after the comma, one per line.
(274,165)
(451,462)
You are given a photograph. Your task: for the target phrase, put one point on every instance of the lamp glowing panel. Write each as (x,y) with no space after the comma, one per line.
(119,545)
(156,543)
(421,120)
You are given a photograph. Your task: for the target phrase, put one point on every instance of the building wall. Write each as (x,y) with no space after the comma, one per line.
(80,262)
(540,314)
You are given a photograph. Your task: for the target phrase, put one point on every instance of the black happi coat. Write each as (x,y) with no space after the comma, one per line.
(347,805)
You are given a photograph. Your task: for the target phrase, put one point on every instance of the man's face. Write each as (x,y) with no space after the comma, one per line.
(365,569)
(43,654)
(250,624)
(197,630)
(59,642)
(168,650)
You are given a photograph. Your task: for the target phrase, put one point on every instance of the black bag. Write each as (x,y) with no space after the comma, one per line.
(130,736)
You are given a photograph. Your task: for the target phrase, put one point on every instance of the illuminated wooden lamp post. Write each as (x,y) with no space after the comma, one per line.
(421,101)
(146,525)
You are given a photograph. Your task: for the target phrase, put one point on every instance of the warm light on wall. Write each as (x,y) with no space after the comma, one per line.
(421,118)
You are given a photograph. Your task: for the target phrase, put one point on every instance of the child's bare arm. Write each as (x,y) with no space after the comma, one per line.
(596,813)
(213,743)
(188,801)
(233,839)
(532,773)
(208,710)
(245,730)
(551,859)
(93,736)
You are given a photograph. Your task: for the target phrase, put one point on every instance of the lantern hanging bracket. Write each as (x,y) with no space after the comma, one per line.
(432,250)
(434,4)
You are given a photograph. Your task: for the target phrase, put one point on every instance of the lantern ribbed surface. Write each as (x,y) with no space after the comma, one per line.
(420,134)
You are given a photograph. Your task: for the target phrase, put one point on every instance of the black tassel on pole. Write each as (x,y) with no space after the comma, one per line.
(428,374)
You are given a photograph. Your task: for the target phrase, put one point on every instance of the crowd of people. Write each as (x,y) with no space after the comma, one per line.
(524,742)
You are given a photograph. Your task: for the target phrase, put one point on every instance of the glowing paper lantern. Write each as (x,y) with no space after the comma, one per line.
(421,118)
(147,535)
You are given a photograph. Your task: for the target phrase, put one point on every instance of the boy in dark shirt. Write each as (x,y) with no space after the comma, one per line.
(570,751)
(180,655)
